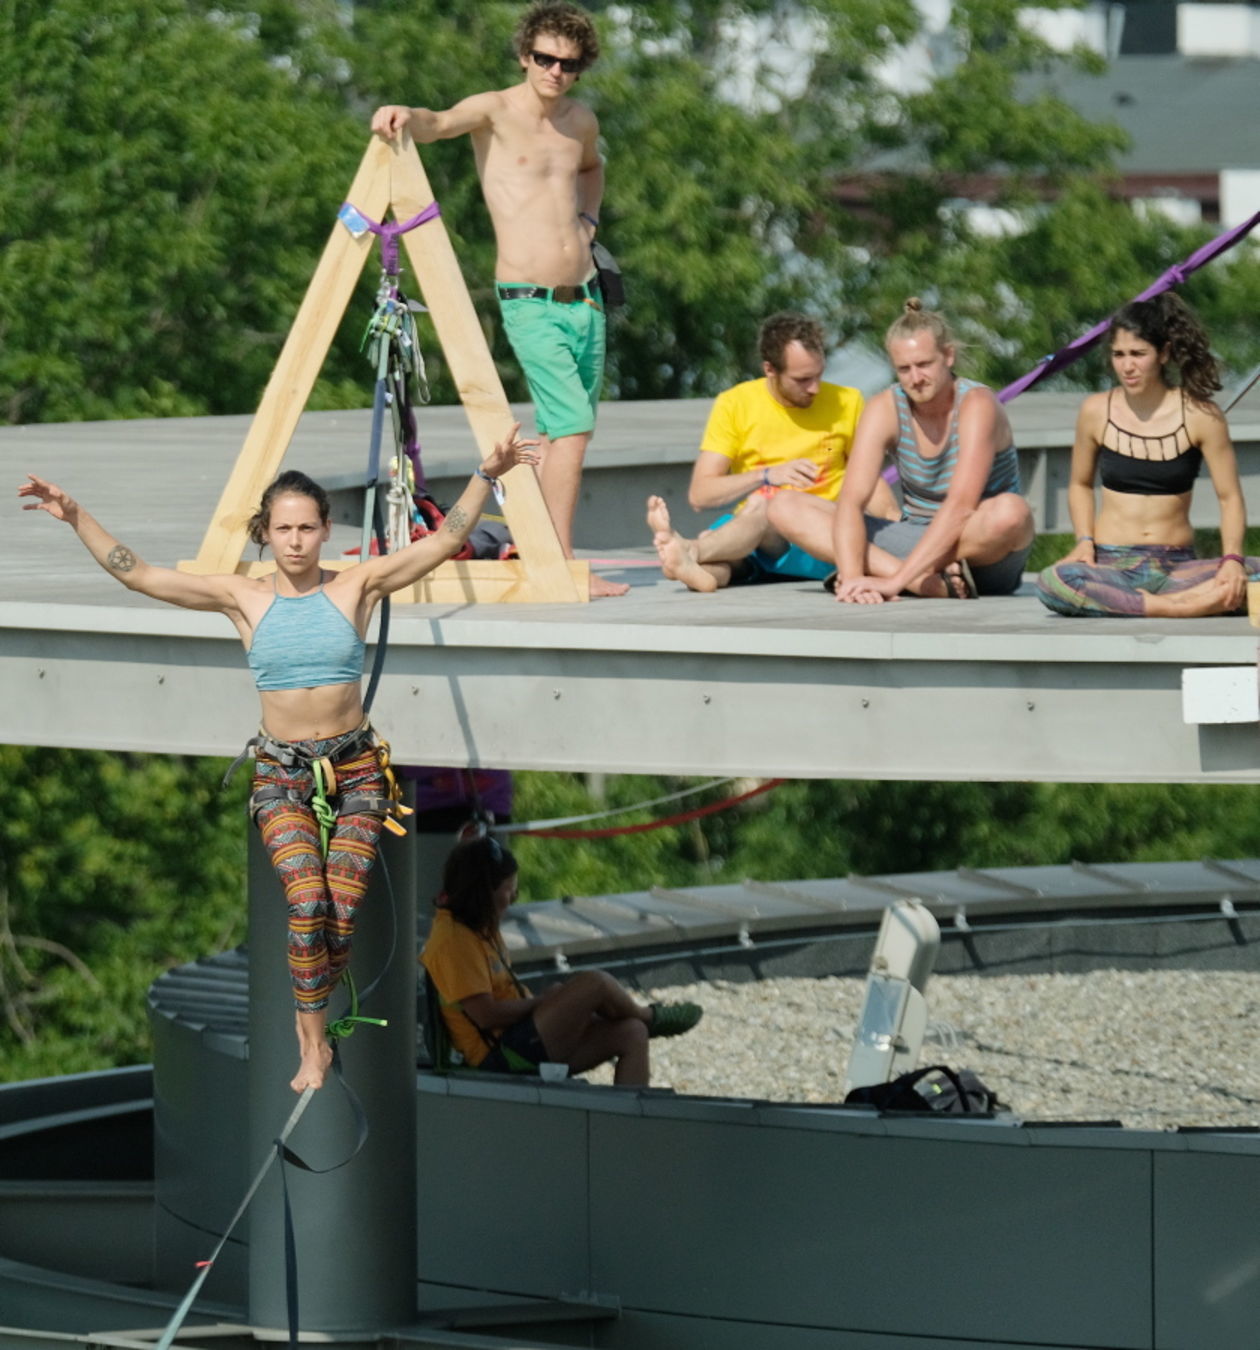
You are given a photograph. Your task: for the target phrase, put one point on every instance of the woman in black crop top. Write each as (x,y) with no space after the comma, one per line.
(1147,439)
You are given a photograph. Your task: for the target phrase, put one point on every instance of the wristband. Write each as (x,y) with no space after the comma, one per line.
(590,220)
(1231,557)
(765,478)
(1084,538)
(495,486)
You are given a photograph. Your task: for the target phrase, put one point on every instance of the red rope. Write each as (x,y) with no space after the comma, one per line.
(680,819)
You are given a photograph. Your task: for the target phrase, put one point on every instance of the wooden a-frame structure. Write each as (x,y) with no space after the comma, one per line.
(391,178)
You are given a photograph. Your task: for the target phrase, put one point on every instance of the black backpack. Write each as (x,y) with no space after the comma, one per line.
(934,1088)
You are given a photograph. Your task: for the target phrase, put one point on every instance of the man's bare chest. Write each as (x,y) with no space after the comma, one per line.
(522,152)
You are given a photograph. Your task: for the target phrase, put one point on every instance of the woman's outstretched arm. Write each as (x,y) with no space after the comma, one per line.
(216,592)
(391,572)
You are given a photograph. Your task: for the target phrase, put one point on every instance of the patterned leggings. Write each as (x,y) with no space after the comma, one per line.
(1115,582)
(323,896)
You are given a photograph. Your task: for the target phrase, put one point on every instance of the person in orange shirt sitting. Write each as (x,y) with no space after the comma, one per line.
(493,1021)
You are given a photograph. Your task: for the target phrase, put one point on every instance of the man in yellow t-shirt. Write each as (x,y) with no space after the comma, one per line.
(788,431)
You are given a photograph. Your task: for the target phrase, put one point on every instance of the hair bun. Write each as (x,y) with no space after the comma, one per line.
(913,306)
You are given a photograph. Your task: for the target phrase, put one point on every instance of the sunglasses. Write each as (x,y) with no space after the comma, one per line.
(571,65)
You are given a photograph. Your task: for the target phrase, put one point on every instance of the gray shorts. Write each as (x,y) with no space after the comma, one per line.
(899,537)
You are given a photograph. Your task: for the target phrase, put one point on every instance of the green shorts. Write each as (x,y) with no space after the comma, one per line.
(561,350)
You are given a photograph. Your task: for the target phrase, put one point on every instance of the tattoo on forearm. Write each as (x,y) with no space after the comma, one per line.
(121,559)
(457,520)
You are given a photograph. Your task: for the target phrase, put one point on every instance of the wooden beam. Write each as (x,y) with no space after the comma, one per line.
(297,368)
(391,177)
(467,581)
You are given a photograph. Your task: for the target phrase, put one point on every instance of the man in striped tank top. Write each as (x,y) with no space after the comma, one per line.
(964,528)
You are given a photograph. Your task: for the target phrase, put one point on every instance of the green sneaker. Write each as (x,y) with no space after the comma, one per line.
(672,1019)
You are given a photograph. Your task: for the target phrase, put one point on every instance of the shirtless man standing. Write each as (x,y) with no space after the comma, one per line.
(543,180)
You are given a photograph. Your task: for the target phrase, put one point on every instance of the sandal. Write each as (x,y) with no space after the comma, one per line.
(970,590)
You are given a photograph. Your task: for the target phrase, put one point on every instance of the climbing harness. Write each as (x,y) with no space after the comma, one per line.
(321,796)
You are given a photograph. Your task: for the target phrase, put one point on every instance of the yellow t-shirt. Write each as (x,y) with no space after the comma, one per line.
(752,429)
(461,963)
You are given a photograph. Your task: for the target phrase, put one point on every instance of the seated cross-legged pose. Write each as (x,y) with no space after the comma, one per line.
(1147,439)
(787,433)
(322,785)
(493,1021)
(964,529)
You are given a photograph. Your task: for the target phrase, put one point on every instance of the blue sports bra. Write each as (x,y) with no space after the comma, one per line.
(303,642)
(1151,466)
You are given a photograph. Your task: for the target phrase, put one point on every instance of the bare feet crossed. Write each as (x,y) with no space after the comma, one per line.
(679,557)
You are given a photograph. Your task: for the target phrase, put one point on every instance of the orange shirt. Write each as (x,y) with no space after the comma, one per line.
(462,963)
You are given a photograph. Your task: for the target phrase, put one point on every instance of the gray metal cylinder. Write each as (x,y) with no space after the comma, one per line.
(355,1227)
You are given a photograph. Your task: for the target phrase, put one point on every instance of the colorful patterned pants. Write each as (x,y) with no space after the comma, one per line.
(1114,584)
(323,895)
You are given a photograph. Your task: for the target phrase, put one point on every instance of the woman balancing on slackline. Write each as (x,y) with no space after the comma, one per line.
(303,629)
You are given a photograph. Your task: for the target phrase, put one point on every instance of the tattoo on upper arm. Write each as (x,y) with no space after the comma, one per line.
(457,520)
(121,559)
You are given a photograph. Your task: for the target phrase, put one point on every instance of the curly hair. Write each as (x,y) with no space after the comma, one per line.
(474,870)
(293,482)
(780,329)
(564,21)
(1167,321)
(915,319)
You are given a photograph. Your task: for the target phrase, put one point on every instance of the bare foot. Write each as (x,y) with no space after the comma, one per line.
(658,520)
(315,1051)
(680,563)
(679,559)
(601,587)
(313,1069)
(1212,596)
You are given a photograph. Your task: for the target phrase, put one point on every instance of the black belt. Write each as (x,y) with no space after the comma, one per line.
(562,295)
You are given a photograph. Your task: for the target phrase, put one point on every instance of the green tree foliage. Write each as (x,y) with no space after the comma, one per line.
(727,126)
(821,828)
(113,868)
(166,187)
(171,171)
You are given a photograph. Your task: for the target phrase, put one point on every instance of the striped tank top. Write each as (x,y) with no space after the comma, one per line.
(925,481)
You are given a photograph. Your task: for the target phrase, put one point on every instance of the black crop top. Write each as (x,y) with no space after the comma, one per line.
(1146,465)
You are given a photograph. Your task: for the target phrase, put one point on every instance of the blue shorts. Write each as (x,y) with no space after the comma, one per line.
(792,562)
(561,351)
(899,537)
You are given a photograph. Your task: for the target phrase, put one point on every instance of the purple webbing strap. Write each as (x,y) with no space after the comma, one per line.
(389,233)
(1173,277)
